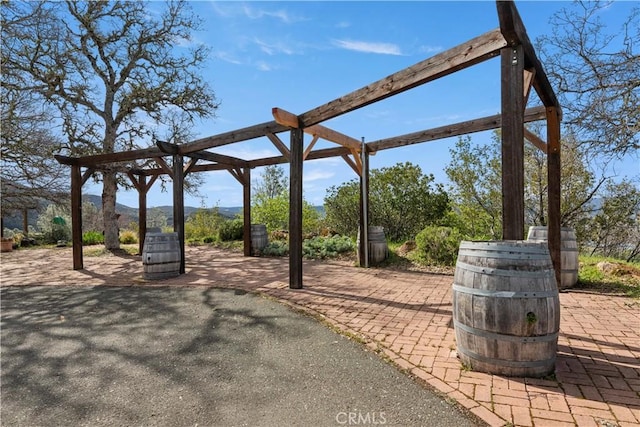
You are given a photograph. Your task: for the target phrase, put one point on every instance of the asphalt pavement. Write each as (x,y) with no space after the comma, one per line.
(193,356)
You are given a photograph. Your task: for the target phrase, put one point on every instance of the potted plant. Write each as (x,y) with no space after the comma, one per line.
(6,244)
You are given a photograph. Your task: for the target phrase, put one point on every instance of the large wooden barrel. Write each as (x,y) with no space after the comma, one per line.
(568,252)
(506,309)
(259,238)
(161,256)
(378,248)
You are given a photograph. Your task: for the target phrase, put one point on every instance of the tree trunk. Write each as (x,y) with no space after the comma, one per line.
(109,188)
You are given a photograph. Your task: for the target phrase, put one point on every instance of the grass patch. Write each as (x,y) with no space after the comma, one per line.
(100,250)
(609,275)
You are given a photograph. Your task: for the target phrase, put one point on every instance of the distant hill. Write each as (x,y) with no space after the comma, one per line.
(14,220)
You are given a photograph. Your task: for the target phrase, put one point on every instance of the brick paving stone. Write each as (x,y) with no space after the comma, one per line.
(489,417)
(482,393)
(551,415)
(598,413)
(521,416)
(503,411)
(623,413)
(591,393)
(586,421)
(543,422)
(406,317)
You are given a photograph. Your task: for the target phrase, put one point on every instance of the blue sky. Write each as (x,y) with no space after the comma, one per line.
(299,55)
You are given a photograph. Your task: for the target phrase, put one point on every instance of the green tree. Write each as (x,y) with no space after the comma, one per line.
(476,190)
(112,71)
(475,173)
(203,223)
(272,184)
(401,199)
(614,230)
(274,213)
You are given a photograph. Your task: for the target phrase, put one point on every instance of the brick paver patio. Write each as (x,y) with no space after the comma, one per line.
(406,317)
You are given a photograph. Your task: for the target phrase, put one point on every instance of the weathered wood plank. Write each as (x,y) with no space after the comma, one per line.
(535,140)
(76,216)
(528,77)
(230,137)
(351,163)
(456,129)
(101,159)
(141,185)
(554,190)
(189,166)
(512,82)
(178,205)
(277,142)
(515,33)
(289,119)
(164,166)
(246,211)
(295,209)
(462,56)
(218,158)
(310,147)
(87,174)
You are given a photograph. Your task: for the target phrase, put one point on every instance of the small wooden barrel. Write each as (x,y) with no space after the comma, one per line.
(259,238)
(378,248)
(568,252)
(161,256)
(506,309)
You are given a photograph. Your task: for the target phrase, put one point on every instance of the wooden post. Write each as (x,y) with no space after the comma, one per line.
(142,211)
(25,222)
(76,216)
(364,209)
(246,210)
(178,205)
(295,209)
(553,179)
(512,81)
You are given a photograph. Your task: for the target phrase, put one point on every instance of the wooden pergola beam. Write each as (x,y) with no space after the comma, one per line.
(233,136)
(535,140)
(462,56)
(281,146)
(515,33)
(289,119)
(455,129)
(101,159)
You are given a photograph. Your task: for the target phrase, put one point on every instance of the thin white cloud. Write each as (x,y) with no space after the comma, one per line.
(283,15)
(274,48)
(263,66)
(343,24)
(246,153)
(369,47)
(228,57)
(317,174)
(430,49)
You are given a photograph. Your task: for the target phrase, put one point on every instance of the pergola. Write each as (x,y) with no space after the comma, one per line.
(520,70)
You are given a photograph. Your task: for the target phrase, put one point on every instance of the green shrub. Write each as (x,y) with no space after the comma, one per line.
(438,245)
(128,237)
(92,238)
(326,247)
(231,230)
(209,239)
(277,248)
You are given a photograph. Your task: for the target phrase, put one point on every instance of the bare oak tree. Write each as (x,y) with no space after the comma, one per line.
(597,72)
(29,174)
(113,71)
